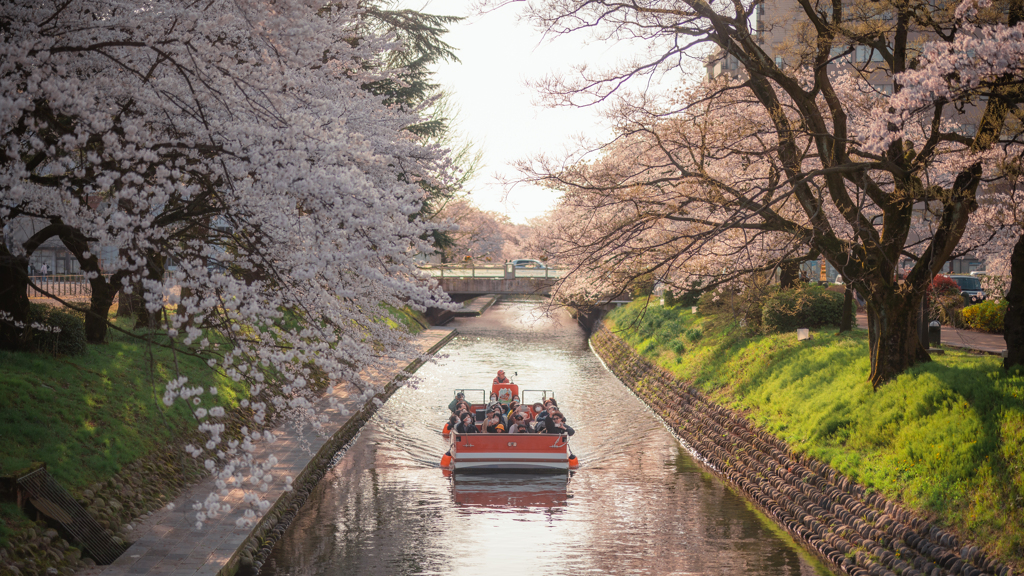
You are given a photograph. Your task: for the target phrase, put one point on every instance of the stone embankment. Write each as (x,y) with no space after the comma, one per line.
(853,530)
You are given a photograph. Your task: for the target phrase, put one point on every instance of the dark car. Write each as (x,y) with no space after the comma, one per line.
(970,288)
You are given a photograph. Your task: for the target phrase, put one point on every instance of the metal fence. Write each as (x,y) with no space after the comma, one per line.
(61,285)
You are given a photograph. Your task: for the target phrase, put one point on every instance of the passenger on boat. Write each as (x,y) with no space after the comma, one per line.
(556,424)
(500,378)
(512,408)
(454,404)
(492,401)
(527,415)
(542,416)
(519,424)
(494,423)
(499,411)
(466,426)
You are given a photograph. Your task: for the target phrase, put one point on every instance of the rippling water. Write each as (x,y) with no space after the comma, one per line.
(638,504)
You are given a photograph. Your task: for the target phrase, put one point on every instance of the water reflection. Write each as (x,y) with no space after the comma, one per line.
(638,504)
(506,491)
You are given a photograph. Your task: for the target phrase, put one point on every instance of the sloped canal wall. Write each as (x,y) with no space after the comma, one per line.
(854,531)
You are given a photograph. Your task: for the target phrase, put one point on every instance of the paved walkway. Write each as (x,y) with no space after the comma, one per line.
(476,306)
(167,543)
(969,339)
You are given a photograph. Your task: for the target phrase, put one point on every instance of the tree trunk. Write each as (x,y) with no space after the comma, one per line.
(143,317)
(125,304)
(893,334)
(13,301)
(103,289)
(1013,324)
(789,273)
(846,322)
(99,306)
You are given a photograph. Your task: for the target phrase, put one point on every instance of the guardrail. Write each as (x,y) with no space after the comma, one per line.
(488,271)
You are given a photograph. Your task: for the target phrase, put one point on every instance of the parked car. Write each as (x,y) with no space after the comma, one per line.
(970,288)
(529,263)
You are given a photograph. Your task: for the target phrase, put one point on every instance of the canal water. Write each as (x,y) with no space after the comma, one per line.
(639,504)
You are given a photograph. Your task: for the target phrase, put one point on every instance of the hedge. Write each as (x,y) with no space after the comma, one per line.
(987,316)
(806,306)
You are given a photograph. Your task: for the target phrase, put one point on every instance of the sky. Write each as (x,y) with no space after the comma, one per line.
(498,112)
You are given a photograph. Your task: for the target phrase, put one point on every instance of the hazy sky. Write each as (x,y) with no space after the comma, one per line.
(497,110)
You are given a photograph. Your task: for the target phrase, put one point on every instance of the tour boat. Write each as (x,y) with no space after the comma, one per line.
(486,452)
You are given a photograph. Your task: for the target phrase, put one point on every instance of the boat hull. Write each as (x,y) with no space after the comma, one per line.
(531,453)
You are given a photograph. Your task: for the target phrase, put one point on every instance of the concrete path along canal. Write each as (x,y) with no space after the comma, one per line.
(167,541)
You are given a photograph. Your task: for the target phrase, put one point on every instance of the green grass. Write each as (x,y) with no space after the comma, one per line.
(86,416)
(946,437)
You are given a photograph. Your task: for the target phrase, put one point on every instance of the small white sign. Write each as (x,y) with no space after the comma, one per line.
(693,309)
(803,334)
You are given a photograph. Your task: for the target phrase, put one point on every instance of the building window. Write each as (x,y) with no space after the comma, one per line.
(866,54)
(883,89)
(779,61)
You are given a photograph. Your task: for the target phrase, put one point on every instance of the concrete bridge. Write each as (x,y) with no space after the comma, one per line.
(499,279)
(499,286)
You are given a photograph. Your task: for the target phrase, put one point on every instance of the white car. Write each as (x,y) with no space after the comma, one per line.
(529,263)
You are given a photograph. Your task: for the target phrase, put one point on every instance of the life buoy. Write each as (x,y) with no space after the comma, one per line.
(446,430)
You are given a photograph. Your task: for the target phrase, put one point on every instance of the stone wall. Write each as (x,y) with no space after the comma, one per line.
(853,530)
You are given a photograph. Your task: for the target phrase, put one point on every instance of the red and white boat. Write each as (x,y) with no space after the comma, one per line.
(486,452)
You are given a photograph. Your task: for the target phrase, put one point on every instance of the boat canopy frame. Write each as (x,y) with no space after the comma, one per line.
(544,395)
(483,395)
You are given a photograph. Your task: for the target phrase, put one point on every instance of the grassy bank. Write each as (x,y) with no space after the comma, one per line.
(946,438)
(89,416)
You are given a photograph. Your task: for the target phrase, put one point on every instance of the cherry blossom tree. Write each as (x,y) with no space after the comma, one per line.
(475,233)
(238,139)
(794,164)
(983,60)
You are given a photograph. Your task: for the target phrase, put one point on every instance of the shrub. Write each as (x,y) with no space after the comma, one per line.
(642,285)
(987,316)
(668,297)
(693,334)
(733,304)
(63,333)
(690,296)
(806,306)
(944,301)
(678,347)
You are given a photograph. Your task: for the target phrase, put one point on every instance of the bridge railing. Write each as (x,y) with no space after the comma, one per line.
(470,270)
